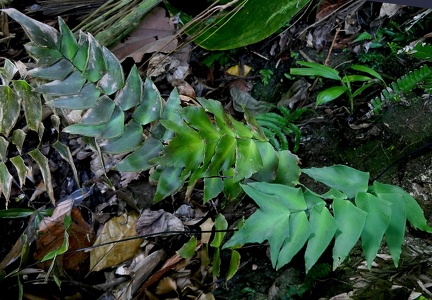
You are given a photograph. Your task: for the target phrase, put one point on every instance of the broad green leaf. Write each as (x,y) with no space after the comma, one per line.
(367,70)
(346,179)
(379,214)
(96,65)
(169,183)
(247,23)
(270,222)
(12,213)
(151,105)
(186,149)
(66,154)
(290,196)
(197,118)
(21,168)
(113,80)
(361,89)
(81,57)
(248,159)
(315,69)
(31,102)
(5,182)
(132,92)
(42,55)
(414,213)
(86,99)
(234,264)
(299,233)
(7,72)
(334,194)
(288,171)
(38,32)
(139,160)
(221,119)
(101,113)
(58,71)
(188,249)
(270,162)
(224,156)
(221,224)
(396,229)
(71,85)
(323,227)
(128,141)
(330,94)
(242,132)
(10,109)
(68,43)
(212,187)
(351,221)
(355,77)
(313,200)
(43,164)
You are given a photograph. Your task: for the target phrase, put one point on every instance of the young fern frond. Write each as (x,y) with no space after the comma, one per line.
(405,84)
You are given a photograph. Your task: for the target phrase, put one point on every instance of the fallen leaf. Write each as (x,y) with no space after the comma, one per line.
(172,67)
(297,92)
(158,221)
(206,227)
(238,71)
(155,33)
(51,236)
(254,106)
(116,252)
(165,286)
(183,88)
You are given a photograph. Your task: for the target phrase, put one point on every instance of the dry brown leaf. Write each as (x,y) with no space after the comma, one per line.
(166,285)
(115,230)
(51,236)
(206,226)
(158,221)
(183,88)
(155,33)
(172,67)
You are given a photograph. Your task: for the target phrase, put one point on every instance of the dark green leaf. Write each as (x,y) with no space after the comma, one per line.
(139,160)
(128,141)
(21,168)
(10,109)
(132,92)
(58,71)
(315,69)
(16,213)
(367,70)
(96,65)
(68,44)
(212,187)
(82,55)
(5,182)
(71,85)
(151,105)
(87,98)
(115,126)
(330,94)
(169,182)
(42,55)
(31,102)
(101,113)
(113,80)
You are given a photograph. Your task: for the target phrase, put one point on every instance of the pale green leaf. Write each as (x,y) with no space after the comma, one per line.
(248,159)
(270,222)
(128,141)
(4,144)
(5,182)
(150,107)
(113,80)
(71,85)
(414,213)
(379,214)
(330,94)
(232,189)
(87,98)
(43,164)
(313,200)
(288,170)
(9,109)
(315,69)
(270,161)
(224,156)
(234,264)
(21,168)
(367,70)
(346,179)
(299,233)
(221,224)
(96,65)
(38,32)
(132,92)
(58,71)
(351,221)
(170,112)
(188,249)
(323,227)
(221,118)
(68,43)
(139,160)
(31,102)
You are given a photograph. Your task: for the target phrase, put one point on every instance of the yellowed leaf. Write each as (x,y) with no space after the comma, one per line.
(115,230)
(237,71)
(206,226)
(166,285)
